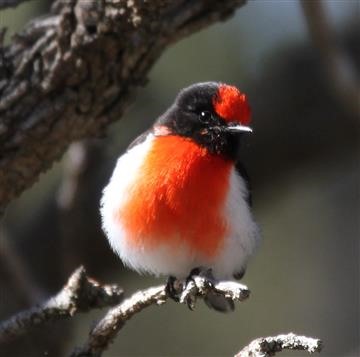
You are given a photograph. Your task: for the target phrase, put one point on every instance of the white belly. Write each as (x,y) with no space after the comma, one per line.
(238,246)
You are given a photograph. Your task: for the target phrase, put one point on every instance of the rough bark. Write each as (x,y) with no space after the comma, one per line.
(70,74)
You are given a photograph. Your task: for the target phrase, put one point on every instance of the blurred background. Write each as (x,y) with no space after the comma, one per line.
(304,161)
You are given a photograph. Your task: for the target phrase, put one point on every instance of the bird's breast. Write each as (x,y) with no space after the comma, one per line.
(177,197)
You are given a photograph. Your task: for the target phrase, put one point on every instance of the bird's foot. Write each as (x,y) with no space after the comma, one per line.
(186,291)
(198,277)
(201,280)
(218,295)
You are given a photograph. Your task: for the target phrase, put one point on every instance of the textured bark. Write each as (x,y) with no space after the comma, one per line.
(70,74)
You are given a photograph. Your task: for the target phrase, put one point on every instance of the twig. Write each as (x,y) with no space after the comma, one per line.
(107,328)
(268,346)
(80,294)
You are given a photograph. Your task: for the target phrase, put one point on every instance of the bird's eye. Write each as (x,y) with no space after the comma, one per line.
(205,116)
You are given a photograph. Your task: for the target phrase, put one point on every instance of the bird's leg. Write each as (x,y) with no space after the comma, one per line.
(172,288)
(212,299)
(215,300)
(194,272)
(191,289)
(203,272)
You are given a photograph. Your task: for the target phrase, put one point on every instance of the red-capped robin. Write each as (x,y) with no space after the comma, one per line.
(178,198)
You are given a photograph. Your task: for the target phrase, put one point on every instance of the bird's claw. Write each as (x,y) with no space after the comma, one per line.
(186,292)
(196,281)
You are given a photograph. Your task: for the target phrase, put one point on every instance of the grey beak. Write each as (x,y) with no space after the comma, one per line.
(238,129)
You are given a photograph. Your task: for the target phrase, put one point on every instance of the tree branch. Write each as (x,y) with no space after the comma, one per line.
(69,75)
(268,346)
(107,328)
(80,294)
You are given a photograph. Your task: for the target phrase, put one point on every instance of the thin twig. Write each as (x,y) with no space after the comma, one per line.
(107,328)
(80,294)
(268,346)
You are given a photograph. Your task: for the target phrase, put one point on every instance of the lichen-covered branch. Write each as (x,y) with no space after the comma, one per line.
(68,75)
(107,328)
(80,294)
(268,346)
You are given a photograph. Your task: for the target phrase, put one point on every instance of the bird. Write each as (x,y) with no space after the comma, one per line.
(179,198)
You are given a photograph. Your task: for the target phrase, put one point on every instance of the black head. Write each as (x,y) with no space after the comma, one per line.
(213,114)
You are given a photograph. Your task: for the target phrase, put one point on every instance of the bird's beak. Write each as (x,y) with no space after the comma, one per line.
(238,129)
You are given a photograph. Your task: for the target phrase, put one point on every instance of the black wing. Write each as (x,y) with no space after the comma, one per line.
(140,139)
(243,173)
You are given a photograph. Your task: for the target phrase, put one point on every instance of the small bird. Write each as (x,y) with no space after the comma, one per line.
(179,197)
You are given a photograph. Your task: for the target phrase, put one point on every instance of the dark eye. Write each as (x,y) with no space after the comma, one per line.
(205,116)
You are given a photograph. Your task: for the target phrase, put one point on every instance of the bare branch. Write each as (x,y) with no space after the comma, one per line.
(80,294)
(68,75)
(342,76)
(268,346)
(107,328)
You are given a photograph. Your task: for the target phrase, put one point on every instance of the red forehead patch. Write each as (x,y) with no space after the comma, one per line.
(232,105)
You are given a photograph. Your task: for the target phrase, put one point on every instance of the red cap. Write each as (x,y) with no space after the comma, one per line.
(232,105)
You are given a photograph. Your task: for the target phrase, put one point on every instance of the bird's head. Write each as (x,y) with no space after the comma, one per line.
(215,115)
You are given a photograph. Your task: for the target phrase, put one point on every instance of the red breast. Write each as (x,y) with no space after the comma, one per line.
(178,197)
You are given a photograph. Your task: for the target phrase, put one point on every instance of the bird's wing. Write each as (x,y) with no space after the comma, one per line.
(140,139)
(243,173)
